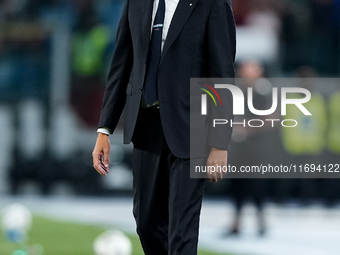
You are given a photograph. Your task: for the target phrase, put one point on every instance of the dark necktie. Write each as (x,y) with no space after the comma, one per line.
(154,56)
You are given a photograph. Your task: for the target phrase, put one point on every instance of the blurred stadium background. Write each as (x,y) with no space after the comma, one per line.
(54,55)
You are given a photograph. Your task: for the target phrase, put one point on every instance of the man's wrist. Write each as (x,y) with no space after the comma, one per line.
(105,131)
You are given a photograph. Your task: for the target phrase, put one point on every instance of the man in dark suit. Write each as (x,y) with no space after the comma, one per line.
(160,45)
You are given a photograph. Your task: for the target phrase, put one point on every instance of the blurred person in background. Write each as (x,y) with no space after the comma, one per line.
(332,186)
(306,142)
(91,41)
(249,146)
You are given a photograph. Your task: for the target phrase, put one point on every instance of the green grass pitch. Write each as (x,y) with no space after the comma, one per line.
(66,238)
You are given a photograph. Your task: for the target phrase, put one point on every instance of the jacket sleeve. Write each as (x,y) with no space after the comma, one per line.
(119,73)
(221,49)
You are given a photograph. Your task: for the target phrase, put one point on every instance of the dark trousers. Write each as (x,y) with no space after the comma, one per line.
(167,203)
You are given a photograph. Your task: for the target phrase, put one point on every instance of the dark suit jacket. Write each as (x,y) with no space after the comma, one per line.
(200,43)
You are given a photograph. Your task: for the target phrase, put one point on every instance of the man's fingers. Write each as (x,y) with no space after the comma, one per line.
(101,154)
(224,170)
(217,161)
(209,174)
(214,174)
(99,168)
(220,174)
(106,160)
(97,163)
(215,171)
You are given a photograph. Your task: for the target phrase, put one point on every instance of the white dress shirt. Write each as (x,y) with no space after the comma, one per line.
(170,8)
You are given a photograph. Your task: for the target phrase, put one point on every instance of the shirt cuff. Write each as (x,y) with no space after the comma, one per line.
(105,131)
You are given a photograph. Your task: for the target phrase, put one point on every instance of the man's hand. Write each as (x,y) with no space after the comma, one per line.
(101,154)
(216,158)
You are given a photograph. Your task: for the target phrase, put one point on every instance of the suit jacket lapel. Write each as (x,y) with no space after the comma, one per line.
(147,6)
(179,19)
